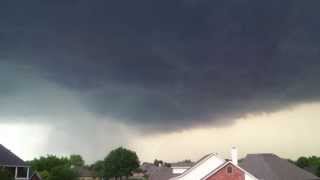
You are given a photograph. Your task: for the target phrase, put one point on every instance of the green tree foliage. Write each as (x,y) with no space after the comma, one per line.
(76,160)
(4,174)
(62,173)
(48,163)
(98,167)
(314,161)
(120,162)
(44,174)
(310,163)
(52,167)
(302,162)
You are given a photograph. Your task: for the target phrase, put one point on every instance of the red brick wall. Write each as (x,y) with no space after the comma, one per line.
(222,174)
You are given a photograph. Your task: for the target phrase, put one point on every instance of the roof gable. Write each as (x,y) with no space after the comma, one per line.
(202,168)
(7,158)
(224,165)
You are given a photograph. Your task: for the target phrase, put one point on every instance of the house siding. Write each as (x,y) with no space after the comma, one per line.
(222,174)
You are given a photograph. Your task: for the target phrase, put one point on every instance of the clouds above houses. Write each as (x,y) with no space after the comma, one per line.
(50,119)
(158,65)
(87,76)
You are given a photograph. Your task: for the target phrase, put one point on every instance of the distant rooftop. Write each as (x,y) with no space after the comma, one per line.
(182,164)
(161,173)
(85,172)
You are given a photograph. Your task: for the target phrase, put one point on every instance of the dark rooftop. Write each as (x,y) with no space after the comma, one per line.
(271,167)
(162,173)
(84,172)
(7,158)
(183,164)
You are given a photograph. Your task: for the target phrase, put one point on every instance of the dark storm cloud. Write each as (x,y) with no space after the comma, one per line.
(166,64)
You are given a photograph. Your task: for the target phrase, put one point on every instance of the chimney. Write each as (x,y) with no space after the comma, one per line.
(234,155)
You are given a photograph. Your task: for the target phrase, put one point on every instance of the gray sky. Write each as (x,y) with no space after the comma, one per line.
(85,77)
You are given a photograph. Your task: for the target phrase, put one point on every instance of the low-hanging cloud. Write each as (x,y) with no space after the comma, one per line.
(55,115)
(164,65)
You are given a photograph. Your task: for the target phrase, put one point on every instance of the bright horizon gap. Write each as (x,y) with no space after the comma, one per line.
(239,135)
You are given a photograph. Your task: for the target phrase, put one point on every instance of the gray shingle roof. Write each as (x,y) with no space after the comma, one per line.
(157,173)
(165,173)
(271,167)
(161,173)
(182,164)
(7,158)
(84,172)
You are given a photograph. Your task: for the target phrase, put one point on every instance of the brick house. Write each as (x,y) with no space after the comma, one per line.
(227,171)
(211,167)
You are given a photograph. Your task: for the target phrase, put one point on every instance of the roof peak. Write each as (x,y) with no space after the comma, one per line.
(262,154)
(269,166)
(8,158)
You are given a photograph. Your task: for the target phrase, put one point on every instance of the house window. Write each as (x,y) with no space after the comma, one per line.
(11,170)
(22,172)
(229,169)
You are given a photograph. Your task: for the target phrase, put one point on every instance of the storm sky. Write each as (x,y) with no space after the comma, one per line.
(79,76)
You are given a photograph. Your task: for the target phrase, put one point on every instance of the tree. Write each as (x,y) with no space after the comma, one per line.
(4,174)
(48,163)
(76,160)
(167,165)
(98,167)
(157,162)
(120,162)
(49,166)
(302,162)
(62,173)
(44,175)
(311,164)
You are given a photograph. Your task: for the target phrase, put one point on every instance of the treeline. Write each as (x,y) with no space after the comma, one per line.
(311,164)
(51,167)
(118,163)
